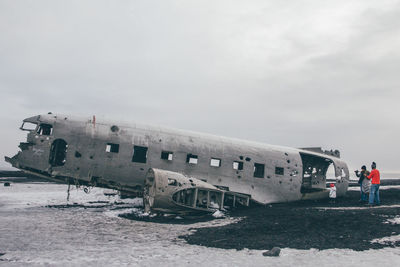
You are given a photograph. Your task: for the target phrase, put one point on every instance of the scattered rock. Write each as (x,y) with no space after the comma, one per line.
(7,184)
(2,254)
(274,252)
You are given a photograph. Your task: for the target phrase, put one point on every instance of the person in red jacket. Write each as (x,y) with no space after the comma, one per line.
(375,178)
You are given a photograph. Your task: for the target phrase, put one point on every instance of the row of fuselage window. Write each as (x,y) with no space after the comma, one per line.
(140,156)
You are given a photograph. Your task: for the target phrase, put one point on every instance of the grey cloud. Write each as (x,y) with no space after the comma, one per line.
(302,73)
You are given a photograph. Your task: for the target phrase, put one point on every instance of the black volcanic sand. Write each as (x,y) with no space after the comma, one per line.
(306,225)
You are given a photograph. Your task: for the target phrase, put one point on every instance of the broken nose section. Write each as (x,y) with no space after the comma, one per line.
(13,161)
(173,192)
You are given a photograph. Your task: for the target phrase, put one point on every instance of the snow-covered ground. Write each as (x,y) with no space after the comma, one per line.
(37,230)
(382,187)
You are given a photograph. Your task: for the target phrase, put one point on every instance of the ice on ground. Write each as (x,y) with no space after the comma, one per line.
(387,240)
(358,208)
(134,202)
(218,214)
(44,194)
(395,220)
(382,187)
(214,205)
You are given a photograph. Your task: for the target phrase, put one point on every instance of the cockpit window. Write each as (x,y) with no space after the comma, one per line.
(28,126)
(45,129)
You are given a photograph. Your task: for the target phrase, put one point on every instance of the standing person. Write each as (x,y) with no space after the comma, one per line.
(363,182)
(375,178)
(332,193)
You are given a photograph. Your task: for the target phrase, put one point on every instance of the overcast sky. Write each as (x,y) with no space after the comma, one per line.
(294,73)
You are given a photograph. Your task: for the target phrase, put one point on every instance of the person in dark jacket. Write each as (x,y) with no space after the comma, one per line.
(363,182)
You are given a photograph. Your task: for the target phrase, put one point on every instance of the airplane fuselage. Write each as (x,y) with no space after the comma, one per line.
(119,155)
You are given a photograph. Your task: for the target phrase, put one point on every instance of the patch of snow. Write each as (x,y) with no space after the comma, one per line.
(387,240)
(134,202)
(218,214)
(141,213)
(358,208)
(395,220)
(382,187)
(214,205)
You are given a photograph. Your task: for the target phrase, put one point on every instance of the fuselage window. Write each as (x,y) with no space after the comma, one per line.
(238,165)
(28,126)
(192,159)
(279,171)
(172,181)
(259,170)
(215,162)
(112,148)
(45,129)
(139,154)
(166,155)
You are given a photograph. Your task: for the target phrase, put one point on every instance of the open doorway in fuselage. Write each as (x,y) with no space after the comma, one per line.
(58,153)
(315,171)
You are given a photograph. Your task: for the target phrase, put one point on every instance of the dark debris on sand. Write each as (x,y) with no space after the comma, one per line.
(306,225)
(170,219)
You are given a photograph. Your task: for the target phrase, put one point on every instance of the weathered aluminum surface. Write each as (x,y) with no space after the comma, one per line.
(168,191)
(87,160)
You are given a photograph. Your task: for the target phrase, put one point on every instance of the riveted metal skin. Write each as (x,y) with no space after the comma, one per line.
(119,155)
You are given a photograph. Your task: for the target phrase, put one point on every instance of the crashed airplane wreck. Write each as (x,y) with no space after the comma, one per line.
(174,171)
